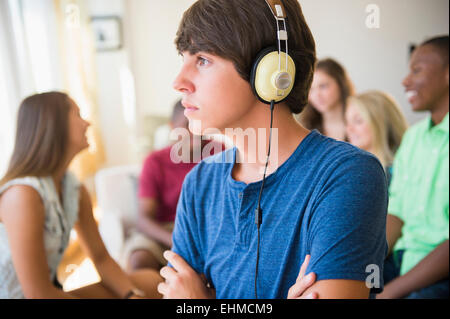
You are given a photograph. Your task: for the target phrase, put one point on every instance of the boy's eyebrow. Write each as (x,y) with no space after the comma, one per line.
(203,53)
(206,53)
(419,60)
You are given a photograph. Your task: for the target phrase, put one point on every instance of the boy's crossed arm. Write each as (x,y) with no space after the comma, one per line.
(182,282)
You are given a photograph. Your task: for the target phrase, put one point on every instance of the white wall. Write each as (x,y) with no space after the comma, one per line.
(152,26)
(118,136)
(375,58)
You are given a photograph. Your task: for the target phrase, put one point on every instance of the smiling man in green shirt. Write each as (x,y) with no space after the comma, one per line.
(418,221)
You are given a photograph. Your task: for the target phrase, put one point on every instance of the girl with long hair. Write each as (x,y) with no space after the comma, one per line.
(40,203)
(328,96)
(375,123)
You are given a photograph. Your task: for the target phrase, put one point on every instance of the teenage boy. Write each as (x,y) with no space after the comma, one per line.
(417,224)
(321,197)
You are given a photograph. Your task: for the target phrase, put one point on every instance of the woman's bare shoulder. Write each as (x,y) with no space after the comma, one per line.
(21,200)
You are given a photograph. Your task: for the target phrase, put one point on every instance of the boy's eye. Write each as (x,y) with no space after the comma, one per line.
(201,61)
(416,68)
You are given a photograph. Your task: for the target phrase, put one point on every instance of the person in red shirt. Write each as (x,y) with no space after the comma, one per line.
(160,185)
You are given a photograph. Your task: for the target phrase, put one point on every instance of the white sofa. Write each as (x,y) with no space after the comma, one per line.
(116,190)
(117,200)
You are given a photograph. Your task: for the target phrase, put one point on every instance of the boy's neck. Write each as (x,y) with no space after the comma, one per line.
(440,111)
(251,157)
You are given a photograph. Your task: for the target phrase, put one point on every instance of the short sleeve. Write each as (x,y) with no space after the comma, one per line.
(150,179)
(395,187)
(347,232)
(186,234)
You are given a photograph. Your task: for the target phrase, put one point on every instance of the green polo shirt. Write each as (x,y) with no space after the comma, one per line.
(419,192)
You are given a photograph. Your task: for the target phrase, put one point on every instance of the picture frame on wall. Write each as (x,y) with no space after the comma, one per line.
(107,33)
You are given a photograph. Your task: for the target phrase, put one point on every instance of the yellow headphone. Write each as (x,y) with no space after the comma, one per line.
(273,72)
(272,78)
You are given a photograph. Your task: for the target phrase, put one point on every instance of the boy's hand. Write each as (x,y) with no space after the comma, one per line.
(303,283)
(182,282)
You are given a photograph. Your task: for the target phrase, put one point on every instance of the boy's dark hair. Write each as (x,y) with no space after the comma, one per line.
(441,44)
(237,30)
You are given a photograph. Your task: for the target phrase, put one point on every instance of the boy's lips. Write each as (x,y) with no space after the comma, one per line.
(410,95)
(189,108)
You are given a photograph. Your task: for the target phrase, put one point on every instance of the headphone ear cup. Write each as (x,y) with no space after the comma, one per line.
(265,76)
(253,73)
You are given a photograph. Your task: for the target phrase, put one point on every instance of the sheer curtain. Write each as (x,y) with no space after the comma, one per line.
(6,120)
(47,45)
(9,85)
(77,52)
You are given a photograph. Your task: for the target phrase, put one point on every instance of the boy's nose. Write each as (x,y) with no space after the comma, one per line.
(406,81)
(182,83)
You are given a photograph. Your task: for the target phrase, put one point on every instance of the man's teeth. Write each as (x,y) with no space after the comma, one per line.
(411,94)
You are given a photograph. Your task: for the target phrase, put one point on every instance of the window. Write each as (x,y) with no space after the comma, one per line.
(28,60)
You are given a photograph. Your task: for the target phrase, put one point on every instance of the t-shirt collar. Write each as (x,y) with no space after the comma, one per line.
(443,126)
(272,178)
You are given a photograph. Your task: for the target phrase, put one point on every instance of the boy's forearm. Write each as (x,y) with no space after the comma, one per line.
(393,230)
(433,268)
(154,230)
(339,289)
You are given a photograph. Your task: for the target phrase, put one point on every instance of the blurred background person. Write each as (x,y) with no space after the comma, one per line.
(417,226)
(328,96)
(375,123)
(41,202)
(160,185)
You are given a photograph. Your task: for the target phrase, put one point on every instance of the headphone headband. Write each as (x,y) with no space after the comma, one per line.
(273,72)
(277,8)
(279,13)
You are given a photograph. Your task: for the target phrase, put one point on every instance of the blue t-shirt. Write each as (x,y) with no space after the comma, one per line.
(329,200)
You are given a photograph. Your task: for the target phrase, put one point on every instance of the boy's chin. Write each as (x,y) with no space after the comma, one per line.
(197,127)
(195,131)
(420,107)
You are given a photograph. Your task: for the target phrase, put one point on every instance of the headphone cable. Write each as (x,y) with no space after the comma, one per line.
(258,211)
